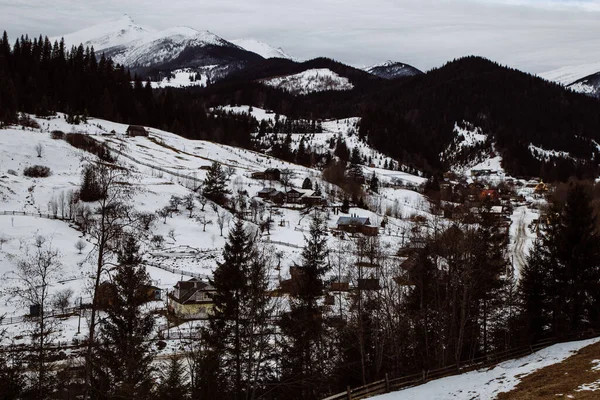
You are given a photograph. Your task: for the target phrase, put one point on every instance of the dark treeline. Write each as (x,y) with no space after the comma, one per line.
(40,77)
(414,118)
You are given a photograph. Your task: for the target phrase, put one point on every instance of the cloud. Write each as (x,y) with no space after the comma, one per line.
(532,35)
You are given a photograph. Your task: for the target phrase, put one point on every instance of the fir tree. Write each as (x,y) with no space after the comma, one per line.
(374,183)
(215,183)
(302,327)
(173,381)
(238,327)
(123,357)
(307,184)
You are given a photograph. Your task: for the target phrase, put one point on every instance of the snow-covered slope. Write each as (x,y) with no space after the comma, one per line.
(568,75)
(166,45)
(108,34)
(392,70)
(486,384)
(261,48)
(310,81)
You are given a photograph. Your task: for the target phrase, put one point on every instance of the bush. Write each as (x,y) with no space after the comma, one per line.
(28,122)
(12,172)
(57,135)
(88,144)
(37,171)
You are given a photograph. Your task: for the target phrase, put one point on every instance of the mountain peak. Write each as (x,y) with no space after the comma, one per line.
(392,69)
(261,48)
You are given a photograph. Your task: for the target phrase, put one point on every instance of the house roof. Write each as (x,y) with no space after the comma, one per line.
(353,221)
(136,128)
(188,288)
(267,190)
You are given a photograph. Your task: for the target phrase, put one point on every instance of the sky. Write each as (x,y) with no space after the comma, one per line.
(532,35)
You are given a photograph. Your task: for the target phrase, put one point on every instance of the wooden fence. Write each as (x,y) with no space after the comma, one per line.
(38,215)
(389,384)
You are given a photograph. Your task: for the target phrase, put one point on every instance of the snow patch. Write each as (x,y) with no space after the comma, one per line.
(545,155)
(183,78)
(261,48)
(310,81)
(567,75)
(486,384)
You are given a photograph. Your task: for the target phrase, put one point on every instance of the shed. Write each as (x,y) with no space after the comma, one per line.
(136,130)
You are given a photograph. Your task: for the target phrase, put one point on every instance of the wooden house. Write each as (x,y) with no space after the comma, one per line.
(270,174)
(136,130)
(264,193)
(356,224)
(192,299)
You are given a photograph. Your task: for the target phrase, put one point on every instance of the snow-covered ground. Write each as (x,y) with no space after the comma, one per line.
(486,384)
(162,165)
(183,78)
(310,81)
(569,74)
(261,48)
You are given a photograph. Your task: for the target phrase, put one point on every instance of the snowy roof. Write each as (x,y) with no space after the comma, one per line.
(353,221)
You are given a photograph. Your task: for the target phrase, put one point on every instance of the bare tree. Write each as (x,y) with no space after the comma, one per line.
(62,203)
(286,177)
(39,267)
(202,220)
(53,207)
(80,245)
(222,219)
(171,235)
(163,213)
(62,299)
(202,199)
(3,239)
(39,150)
(112,216)
(189,203)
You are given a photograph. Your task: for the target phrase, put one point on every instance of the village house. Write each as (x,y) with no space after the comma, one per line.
(356,224)
(107,293)
(192,299)
(270,174)
(136,130)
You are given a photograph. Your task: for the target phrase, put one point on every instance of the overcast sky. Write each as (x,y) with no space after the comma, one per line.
(533,35)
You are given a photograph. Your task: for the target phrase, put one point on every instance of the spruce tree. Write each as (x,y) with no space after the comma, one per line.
(374,183)
(123,356)
(238,328)
(215,183)
(302,327)
(307,184)
(173,382)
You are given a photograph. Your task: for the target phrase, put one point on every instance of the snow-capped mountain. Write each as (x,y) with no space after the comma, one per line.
(158,53)
(261,48)
(107,35)
(569,74)
(589,85)
(310,81)
(167,45)
(392,70)
(579,78)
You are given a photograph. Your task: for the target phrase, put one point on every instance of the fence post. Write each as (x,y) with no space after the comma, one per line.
(387,383)
(348,393)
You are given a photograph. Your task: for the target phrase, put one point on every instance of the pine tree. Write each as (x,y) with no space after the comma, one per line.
(579,260)
(307,184)
(123,357)
(302,327)
(238,329)
(215,183)
(173,381)
(355,158)
(374,183)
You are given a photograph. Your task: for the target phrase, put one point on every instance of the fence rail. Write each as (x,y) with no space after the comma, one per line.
(39,215)
(404,382)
